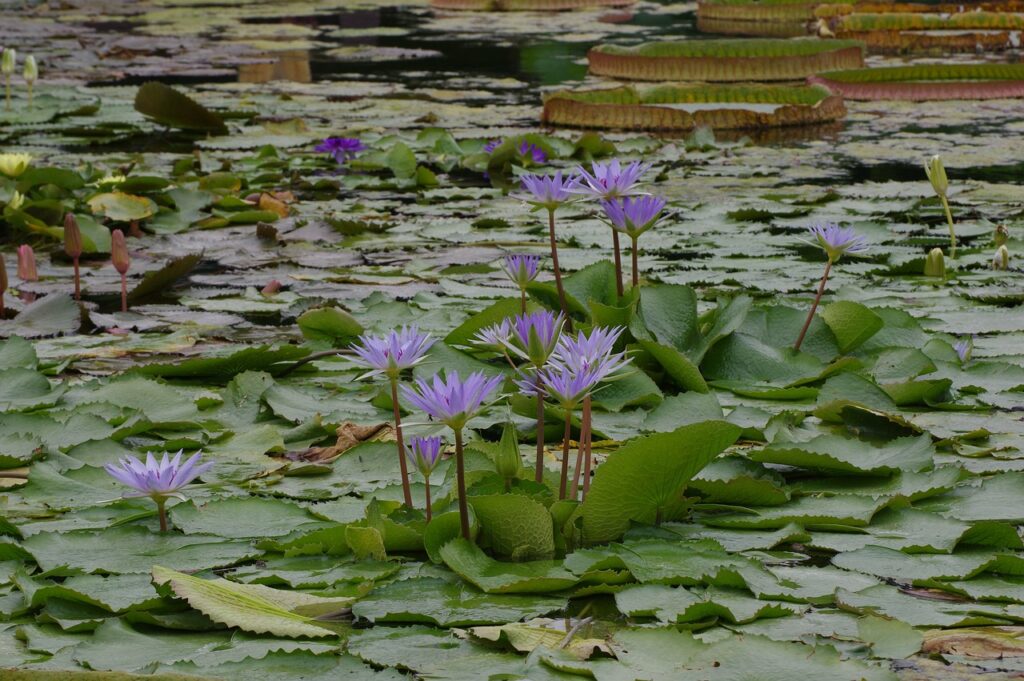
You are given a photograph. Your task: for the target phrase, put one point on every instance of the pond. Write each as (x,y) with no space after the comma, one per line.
(282,283)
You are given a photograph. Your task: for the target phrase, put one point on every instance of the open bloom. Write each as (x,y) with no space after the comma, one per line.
(568,385)
(13,165)
(158,479)
(341,148)
(546,191)
(392,353)
(837,241)
(491,146)
(534,335)
(424,453)
(609,180)
(452,400)
(521,269)
(530,153)
(27,264)
(633,215)
(582,351)
(494,337)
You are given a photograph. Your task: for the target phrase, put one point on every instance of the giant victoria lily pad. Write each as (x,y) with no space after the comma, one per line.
(725,60)
(685,107)
(923,82)
(959,31)
(526,5)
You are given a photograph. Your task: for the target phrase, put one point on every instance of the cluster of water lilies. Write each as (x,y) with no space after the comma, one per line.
(29,72)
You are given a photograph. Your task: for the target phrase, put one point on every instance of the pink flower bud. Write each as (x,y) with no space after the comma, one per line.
(27,264)
(119,252)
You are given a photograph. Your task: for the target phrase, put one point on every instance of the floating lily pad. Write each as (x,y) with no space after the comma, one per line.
(924,82)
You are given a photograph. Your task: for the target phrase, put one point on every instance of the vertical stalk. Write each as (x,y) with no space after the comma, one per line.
(30,95)
(78,285)
(7,92)
(618,262)
(460,476)
(161,512)
(539,469)
(3,308)
(563,482)
(583,453)
(636,267)
(124,292)
(406,492)
(814,307)
(949,221)
(557,269)
(426,480)
(522,300)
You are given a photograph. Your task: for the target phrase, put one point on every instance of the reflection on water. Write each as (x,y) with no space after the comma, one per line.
(293,65)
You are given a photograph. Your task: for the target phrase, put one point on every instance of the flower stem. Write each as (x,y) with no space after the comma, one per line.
(406,492)
(124,293)
(583,451)
(557,269)
(426,481)
(161,511)
(636,267)
(539,469)
(30,95)
(588,439)
(78,284)
(564,480)
(7,92)
(814,307)
(522,300)
(460,477)
(949,220)
(618,262)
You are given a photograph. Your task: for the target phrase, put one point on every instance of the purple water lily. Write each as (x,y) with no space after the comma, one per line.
(835,241)
(491,146)
(341,149)
(158,479)
(392,353)
(550,192)
(581,351)
(964,349)
(425,454)
(534,335)
(531,154)
(495,337)
(633,216)
(521,269)
(454,401)
(609,180)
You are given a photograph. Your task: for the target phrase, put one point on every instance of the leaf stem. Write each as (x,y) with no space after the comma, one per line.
(814,307)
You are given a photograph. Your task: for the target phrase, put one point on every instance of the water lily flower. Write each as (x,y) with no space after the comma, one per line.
(1000,236)
(633,216)
(935,264)
(272,288)
(534,335)
(30,74)
(491,146)
(454,401)
(550,192)
(159,480)
(341,149)
(531,154)
(521,269)
(73,248)
(964,349)
(425,454)
(27,264)
(936,173)
(836,241)
(495,338)
(1001,259)
(13,165)
(7,63)
(122,262)
(390,355)
(16,201)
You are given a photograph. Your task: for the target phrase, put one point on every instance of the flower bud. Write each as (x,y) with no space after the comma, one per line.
(27,264)
(16,201)
(72,236)
(1001,236)
(13,165)
(119,252)
(936,173)
(935,264)
(507,461)
(272,288)
(7,62)
(1001,259)
(31,71)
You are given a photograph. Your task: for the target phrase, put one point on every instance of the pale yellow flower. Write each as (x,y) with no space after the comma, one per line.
(16,200)
(13,165)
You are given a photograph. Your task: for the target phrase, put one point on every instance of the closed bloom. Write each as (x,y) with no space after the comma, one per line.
(609,180)
(31,70)
(341,148)
(1001,259)
(16,201)
(1000,236)
(521,269)
(392,353)
(119,252)
(158,479)
(424,453)
(936,173)
(531,154)
(452,400)
(633,215)
(27,264)
(8,61)
(13,165)
(534,335)
(72,236)
(546,191)
(964,348)
(837,241)
(935,264)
